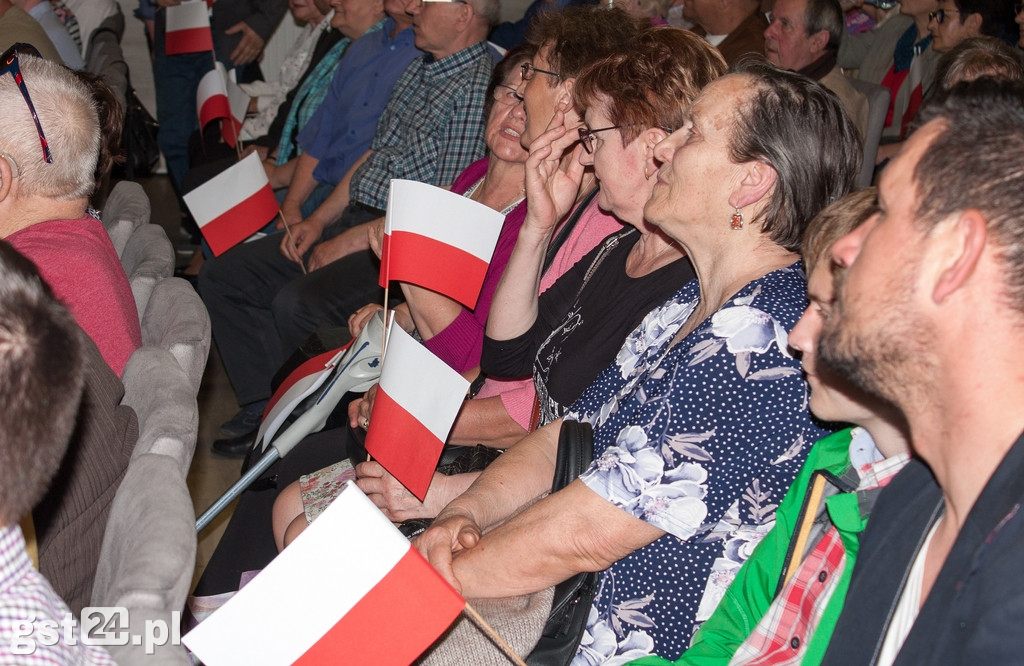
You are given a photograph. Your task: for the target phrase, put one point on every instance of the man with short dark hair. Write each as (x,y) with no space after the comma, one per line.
(956,20)
(41,378)
(929,317)
(804,37)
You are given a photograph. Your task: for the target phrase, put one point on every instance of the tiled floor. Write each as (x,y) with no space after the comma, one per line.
(210,475)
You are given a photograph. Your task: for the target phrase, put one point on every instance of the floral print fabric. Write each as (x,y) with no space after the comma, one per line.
(701,439)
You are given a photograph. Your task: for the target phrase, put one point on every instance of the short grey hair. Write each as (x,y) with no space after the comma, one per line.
(490,10)
(826,15)
(68,115)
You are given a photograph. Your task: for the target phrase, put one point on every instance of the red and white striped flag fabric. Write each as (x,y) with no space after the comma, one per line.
(296,387)
(188,28)
(438,240)
(220,98)
(417,401)
(233,205)
(349,590)
(212,96)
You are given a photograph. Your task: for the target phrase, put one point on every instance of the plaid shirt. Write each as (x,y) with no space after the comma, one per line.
(782,635)
(432,127)
(26,599)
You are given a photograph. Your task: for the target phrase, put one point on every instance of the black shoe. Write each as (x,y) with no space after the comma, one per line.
(235,447)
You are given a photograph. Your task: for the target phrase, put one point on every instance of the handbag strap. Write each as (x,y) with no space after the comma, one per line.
(575,453)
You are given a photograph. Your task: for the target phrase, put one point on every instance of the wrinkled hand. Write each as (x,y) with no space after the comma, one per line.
(303,236)
(330,250)
(249,47)
(358,319)
(551,188)
(375,235)
(392,498)
(451,533)
(359,410)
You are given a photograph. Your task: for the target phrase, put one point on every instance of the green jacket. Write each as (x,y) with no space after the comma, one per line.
(761,576)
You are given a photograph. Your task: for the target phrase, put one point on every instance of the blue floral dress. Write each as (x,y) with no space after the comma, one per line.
(701,439)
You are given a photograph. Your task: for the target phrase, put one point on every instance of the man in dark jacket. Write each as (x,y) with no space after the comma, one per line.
(929,316)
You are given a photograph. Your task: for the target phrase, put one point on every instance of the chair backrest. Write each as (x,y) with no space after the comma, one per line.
(878,106)
(161,394)
(148,555)
(176,320)
(104,56)
(126,209)
(148,258)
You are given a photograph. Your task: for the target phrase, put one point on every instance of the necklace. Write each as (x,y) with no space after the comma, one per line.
(505,208)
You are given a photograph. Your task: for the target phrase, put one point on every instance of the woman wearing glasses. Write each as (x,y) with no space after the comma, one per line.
(631,101)
(701,422)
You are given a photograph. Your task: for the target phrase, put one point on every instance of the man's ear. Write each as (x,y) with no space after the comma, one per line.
(962,244)
(819,41)
(756,183)
(6,177)
(973,24)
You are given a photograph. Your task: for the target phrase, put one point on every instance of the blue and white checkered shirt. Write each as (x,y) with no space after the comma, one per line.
(27,603)
(432,127)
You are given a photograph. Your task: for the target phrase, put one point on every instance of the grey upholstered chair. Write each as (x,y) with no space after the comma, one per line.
(148,258)
(176,320)
(148,555)
(878,106)
(160,392)
(126,209)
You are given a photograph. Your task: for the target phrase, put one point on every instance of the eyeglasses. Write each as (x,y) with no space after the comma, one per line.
(529,70)
(9,63)
(504,94)
(940,15)
(587,136)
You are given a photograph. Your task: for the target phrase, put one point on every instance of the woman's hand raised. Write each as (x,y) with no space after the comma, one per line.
(551,186)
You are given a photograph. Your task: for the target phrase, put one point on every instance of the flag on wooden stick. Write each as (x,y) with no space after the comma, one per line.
(233,205)
(349,590)
(417,401)
(437,239)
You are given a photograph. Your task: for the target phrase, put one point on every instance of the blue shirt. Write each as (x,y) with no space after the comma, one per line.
(702,440)
(341,130)
(433,126)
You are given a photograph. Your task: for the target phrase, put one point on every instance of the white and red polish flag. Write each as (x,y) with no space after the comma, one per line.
(437,239)
(233,205)
(417,401)
(349,590)
(188,28)
(220,98)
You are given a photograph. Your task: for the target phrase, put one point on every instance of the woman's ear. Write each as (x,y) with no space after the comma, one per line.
(755,184)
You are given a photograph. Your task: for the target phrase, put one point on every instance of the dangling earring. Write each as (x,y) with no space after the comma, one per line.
(647,176)
(737,221)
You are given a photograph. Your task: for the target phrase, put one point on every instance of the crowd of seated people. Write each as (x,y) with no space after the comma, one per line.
(800,396)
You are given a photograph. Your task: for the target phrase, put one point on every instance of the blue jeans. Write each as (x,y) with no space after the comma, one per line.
(176,79)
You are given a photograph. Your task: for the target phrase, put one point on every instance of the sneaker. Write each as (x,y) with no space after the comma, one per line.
(246,420)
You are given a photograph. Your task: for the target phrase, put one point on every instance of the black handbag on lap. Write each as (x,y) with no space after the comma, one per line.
(573,597)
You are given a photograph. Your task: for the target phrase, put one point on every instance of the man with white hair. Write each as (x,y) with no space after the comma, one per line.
(804,37)
(49,145)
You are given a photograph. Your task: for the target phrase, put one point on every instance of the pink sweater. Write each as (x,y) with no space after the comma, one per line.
(79,262)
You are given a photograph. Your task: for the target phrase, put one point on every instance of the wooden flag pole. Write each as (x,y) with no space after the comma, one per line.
(288,230)
(498,640)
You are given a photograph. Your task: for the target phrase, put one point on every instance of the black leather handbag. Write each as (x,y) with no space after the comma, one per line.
(573,597)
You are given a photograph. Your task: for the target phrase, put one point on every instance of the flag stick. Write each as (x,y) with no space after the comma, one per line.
(288,230)
(482,623)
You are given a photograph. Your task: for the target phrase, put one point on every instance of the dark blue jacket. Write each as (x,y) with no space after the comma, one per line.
(974,613)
